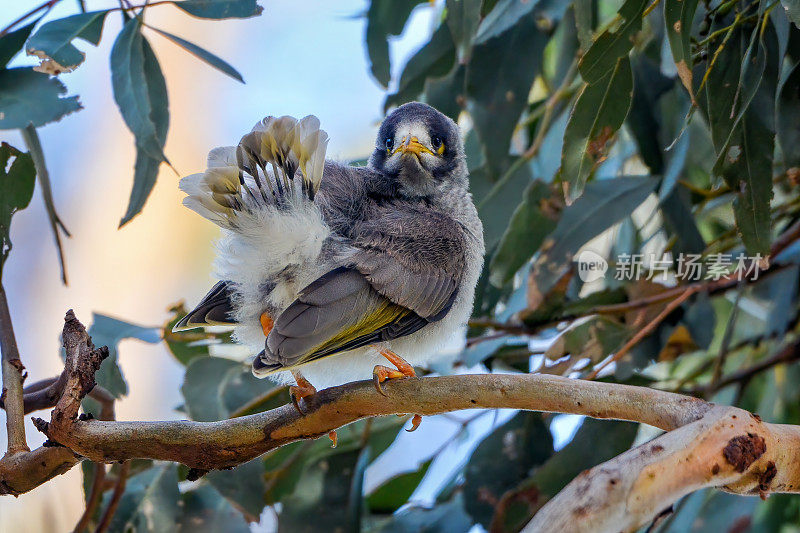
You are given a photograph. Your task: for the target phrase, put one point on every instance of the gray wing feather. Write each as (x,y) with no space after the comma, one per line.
(214,309)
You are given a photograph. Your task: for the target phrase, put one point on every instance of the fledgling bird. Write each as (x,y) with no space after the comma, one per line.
(326,268)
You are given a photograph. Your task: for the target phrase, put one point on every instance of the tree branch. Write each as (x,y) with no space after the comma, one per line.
(223,444)
(12,381)
(727,448)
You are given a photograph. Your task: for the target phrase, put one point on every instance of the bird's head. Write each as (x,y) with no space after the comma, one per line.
(421,149)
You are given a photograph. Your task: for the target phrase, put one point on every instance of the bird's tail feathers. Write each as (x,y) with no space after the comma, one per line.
(261,171)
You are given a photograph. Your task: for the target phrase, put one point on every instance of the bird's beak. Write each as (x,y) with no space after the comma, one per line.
(411,144)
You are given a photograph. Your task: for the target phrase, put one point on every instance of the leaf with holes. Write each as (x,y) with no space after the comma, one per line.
(678,17)
(52,43)
(28,97)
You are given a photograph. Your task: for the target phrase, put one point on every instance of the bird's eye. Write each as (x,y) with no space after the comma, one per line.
(389,143)
(437,144)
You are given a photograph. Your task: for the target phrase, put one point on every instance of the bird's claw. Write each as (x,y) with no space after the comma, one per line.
(334,438)
(296,403)
(381,373)
(415,422)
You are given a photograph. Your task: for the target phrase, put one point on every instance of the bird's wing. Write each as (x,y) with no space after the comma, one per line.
(391,288)
(215,309)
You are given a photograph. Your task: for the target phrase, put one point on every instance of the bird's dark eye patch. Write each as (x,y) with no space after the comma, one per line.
(389,142)
(437,144)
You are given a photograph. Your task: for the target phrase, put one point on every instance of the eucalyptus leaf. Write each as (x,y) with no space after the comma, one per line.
(206,511)
(17,180)
(599,112)
(12,42)
(108,331)
(203,54)
(150,502)
(614,43)
(53,41)
(385,19)
(220,9)
(533,220)
(29,97)
(243,486)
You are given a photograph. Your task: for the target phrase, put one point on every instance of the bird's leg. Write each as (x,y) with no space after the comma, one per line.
(303,389)
(404,369)
(266,323)
(381,373)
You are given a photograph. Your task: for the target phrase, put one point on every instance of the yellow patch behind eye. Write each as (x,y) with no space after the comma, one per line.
(440,150)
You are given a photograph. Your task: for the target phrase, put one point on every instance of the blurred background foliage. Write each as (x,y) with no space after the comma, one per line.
(660,128)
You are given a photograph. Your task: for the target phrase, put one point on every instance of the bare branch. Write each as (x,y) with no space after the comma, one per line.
(215,445)
(24,471)
(12,381)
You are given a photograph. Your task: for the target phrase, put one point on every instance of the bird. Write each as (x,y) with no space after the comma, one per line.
(329,270)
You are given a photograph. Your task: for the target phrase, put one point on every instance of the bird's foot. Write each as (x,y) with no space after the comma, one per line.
(415,422)
(381,373)
(266,323)
(303,389)
(334,438)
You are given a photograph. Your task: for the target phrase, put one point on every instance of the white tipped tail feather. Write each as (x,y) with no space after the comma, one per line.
(261,194)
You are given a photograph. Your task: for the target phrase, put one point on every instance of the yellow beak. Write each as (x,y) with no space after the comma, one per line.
(412,145)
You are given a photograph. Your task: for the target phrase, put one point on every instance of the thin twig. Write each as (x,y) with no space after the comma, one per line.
(645,331)
(46,5)
(98,480)
(726,341)
(12,381)
(31,138)
(116,496)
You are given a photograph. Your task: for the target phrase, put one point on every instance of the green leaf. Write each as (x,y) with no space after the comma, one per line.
(496,208)
(644,119)
(107,331)
(396,491)
(595,442)
(221,9)
(503,16)
(603,204)
(12,42)
(678,18)
(448,517)
(522,443)
(243,486)
(585,21)
(53,41)
(325,499)
(28,97)
(141,95)
(533,220)
(613,43)
(447,93)
(150,502)
(206,511)
(599,112)
(792,8)
(499,78)
(204,55)
(132,89)
(17,180)
(788,117)
(745,142)
(434,59)
(463,17)
(385,19)
(215,387)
